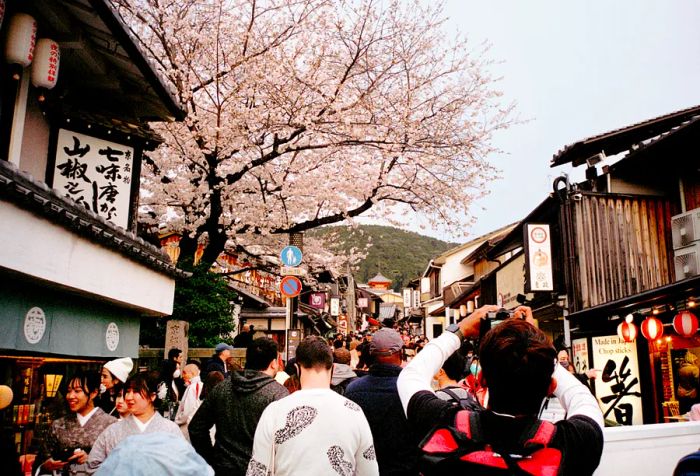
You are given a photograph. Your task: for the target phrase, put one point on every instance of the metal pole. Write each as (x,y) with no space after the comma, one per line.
(287,324)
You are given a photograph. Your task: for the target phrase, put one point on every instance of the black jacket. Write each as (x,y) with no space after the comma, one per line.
(395,444)
(234,406)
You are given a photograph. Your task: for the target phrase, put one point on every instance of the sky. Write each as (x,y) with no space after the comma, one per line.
(575,69)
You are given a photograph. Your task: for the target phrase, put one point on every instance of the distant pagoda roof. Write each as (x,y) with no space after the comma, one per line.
(379,278)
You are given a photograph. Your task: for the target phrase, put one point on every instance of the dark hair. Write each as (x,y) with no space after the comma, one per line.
(260,353)
(454,366)
(517,362)
(174,352)
(145,383)
(314,352)
(212,379)
(88,381)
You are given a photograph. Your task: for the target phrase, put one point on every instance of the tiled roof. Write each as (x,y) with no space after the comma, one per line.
(618,140)
(21,189)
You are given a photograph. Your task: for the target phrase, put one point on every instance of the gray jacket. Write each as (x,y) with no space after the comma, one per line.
(234,406)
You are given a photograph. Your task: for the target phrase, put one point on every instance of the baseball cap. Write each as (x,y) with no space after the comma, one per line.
(385,342)
(222,346)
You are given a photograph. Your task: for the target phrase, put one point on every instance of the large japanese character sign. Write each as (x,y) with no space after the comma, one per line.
(617,388)
(95,173)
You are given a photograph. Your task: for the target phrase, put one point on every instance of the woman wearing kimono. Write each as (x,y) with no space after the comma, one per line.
(70,438)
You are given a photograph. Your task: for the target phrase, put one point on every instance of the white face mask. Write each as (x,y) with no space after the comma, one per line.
(103,389)
(176,374)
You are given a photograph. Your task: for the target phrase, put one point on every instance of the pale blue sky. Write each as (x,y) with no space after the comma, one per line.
(576,69)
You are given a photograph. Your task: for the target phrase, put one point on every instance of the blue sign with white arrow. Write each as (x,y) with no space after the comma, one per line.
(291,256)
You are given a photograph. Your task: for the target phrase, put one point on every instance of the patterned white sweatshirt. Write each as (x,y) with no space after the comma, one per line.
(314,431)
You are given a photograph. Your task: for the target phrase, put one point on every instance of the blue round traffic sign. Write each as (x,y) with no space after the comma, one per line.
(290,286)
(291,256)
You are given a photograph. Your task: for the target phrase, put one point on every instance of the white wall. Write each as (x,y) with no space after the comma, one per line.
(453,270)
(647,450)
(36,247)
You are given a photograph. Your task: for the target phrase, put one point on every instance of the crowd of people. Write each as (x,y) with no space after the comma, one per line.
(381,402)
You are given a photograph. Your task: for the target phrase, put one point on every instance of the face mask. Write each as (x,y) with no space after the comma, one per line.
(176,374)
(103,389)
(474,368)
(564,363)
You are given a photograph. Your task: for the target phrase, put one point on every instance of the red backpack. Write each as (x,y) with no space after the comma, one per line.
(461,449)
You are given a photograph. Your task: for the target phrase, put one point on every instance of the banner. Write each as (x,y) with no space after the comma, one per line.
(317,300)
(539,258)
(617,386)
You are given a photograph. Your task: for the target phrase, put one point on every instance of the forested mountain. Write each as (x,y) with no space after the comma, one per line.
(399,255)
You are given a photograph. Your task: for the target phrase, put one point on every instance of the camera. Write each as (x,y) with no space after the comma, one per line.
(62,454)
(500,315)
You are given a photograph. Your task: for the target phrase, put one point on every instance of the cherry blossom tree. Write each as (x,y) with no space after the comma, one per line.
(303,113)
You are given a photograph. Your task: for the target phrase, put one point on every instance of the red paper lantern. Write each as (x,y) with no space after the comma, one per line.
(652,328)
(685,323)
(627,331)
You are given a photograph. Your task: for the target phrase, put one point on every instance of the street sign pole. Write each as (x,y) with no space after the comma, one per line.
(287,325)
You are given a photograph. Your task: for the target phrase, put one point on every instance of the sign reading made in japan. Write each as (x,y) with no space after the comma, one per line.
(95,173)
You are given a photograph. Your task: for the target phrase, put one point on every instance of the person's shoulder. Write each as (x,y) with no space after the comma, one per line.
(580,440)
(580,424)
(357,383)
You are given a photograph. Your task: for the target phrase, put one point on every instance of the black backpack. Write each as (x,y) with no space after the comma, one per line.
(461,449)
(467,403)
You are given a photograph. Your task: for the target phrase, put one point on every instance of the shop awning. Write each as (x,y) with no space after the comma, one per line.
(440,311)
(669,293)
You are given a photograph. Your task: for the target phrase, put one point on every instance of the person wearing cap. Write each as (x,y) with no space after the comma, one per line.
(217,363)
(376,393)
(234,406)
(114,372)
(66,447)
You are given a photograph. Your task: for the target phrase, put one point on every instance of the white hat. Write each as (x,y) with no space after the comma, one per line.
(120,368)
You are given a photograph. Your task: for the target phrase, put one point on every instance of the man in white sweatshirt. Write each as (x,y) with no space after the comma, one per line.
(519,370)
(313,431)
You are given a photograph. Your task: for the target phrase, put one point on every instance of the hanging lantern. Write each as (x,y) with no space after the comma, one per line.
(652,328)
(685,323)
(47,57)
(627,331)
(21,38)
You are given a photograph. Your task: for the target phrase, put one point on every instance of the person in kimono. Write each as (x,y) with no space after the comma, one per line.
(71,438)
(141,399)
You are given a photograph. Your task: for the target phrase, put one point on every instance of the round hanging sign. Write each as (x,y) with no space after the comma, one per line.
(112,336)
(34,325)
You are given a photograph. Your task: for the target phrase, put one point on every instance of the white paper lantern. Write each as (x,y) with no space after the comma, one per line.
(21,37)
(47,57)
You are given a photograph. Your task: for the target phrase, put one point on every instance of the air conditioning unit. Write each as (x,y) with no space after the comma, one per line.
(687,261)
(685,228)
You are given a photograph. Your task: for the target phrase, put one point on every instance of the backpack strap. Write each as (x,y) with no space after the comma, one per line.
(452,394)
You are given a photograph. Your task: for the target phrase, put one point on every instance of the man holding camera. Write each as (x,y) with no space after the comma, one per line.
(518,368)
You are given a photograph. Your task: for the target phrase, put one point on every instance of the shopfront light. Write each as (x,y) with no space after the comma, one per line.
(627,331)
(51,383)
(685,323)
(652,328)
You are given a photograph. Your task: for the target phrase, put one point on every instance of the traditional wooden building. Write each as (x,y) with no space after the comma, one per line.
(623,247)
(76,98)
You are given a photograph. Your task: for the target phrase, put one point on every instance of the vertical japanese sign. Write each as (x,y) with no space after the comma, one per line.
(407,298)
(95,173)
(579,351)
(335,306)
(539,258)
(617,387)
(318,300)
